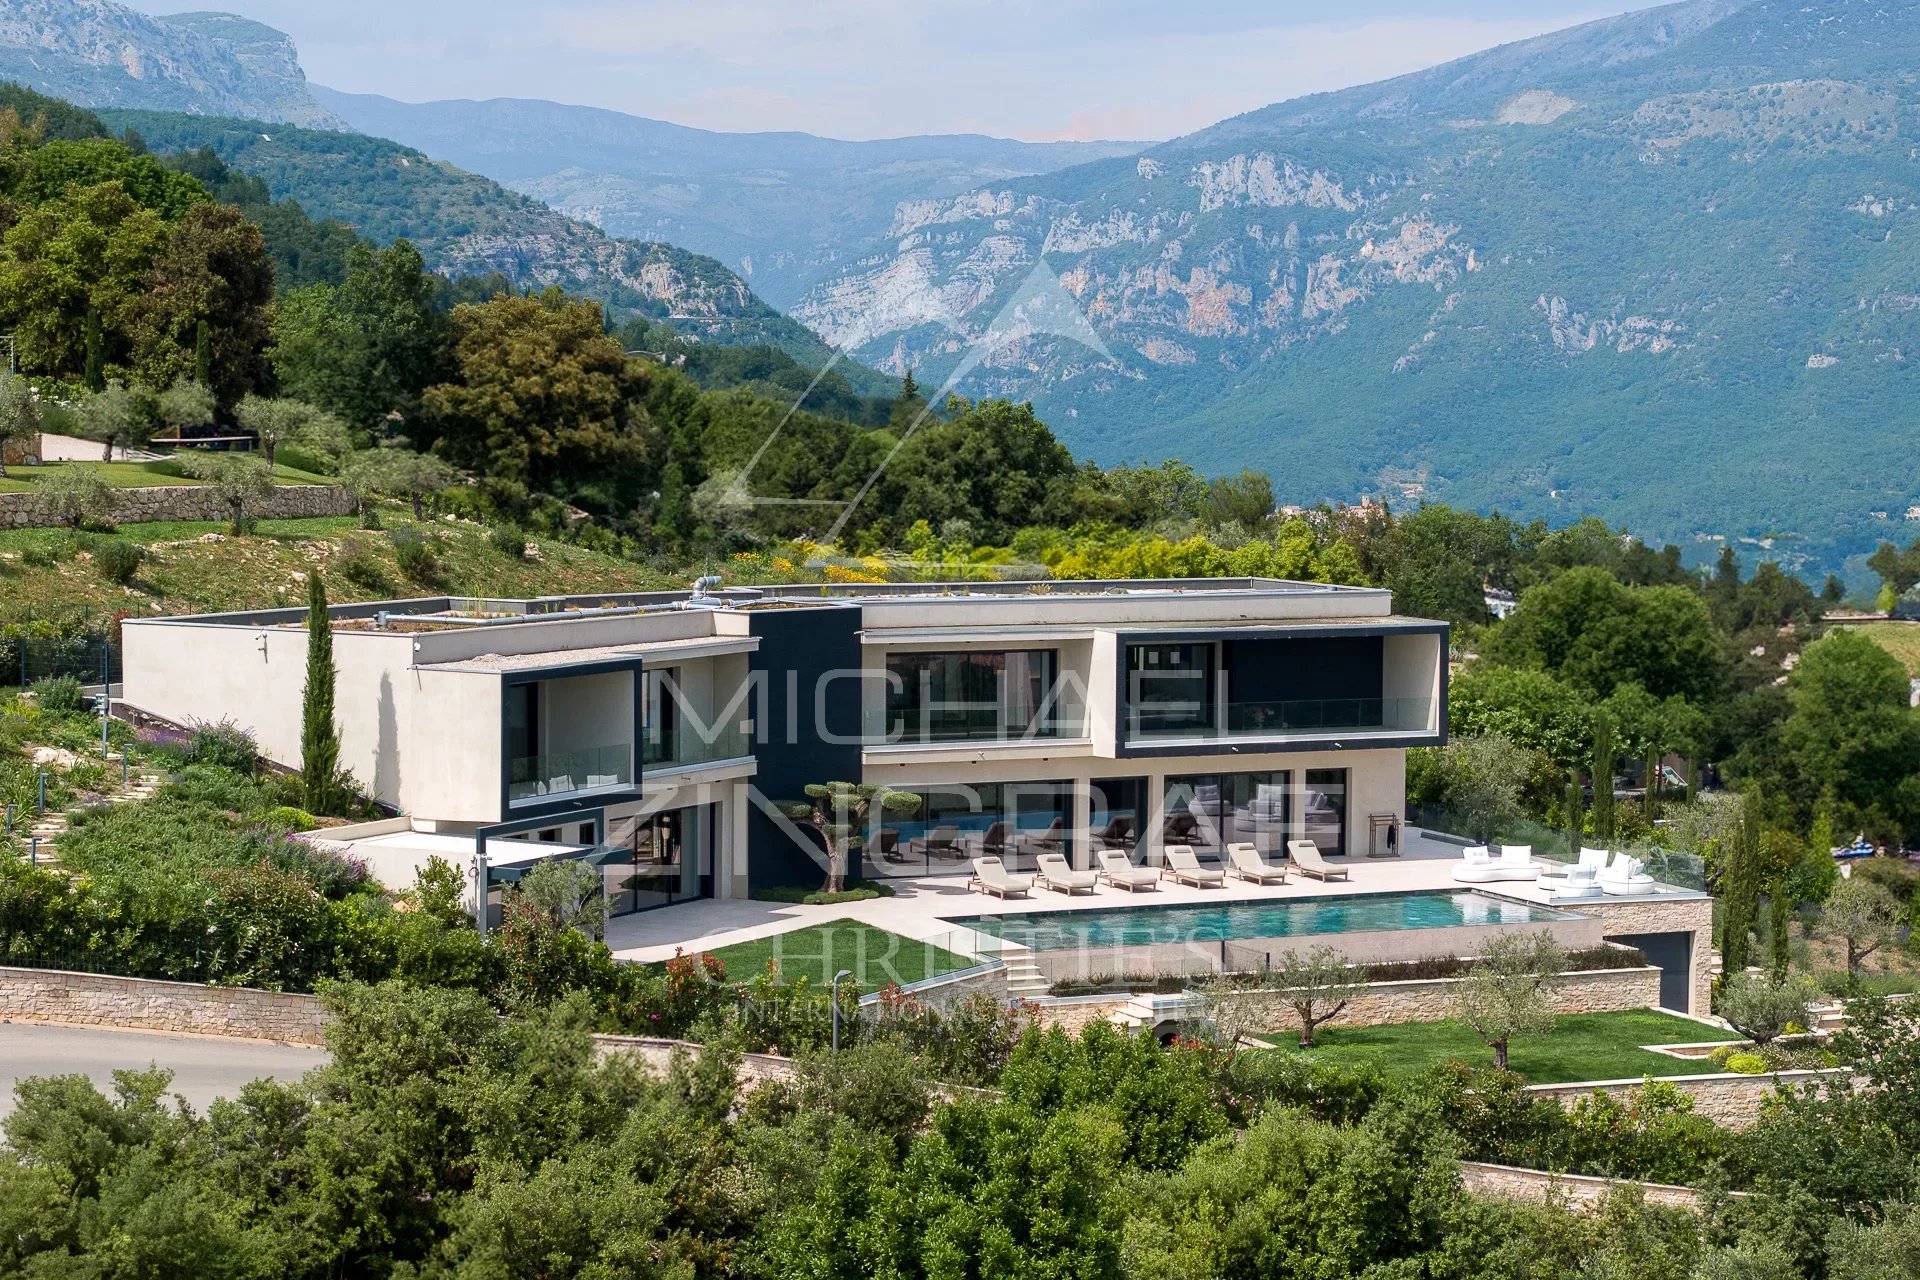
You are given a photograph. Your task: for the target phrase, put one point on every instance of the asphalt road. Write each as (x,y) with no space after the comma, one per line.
(204,1067)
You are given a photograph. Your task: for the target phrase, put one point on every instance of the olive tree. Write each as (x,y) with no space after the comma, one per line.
(1761,1007)
(395,473)
(75,495)
(1509,992)
(112,415)
(1862,915)
(1315,987)
(239,480)
(19,414)
(185,404)
(281,422)
(838,812)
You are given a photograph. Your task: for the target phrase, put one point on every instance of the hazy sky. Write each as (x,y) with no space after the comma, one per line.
(874,68)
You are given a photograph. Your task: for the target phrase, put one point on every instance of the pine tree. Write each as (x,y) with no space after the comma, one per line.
(203,354)
(909,389)
(319,736)
(95,376)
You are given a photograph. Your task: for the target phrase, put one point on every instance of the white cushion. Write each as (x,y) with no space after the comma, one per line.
(1516,853)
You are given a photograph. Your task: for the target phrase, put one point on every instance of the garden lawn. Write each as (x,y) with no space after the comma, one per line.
(1901,639)
(1582,1046)
(136,475)
(817,952)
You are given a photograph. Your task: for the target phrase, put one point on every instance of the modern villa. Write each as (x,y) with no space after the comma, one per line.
(657,735)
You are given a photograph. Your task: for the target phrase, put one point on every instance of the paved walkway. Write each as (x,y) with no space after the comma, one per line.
(204,1067)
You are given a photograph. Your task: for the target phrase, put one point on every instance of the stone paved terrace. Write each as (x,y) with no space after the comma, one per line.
(925,907)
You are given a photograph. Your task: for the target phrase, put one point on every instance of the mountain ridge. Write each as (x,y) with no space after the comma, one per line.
(1492,283)
(95,53)
(773,205)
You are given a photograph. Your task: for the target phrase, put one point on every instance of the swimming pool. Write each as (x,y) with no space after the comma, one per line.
(1148,926)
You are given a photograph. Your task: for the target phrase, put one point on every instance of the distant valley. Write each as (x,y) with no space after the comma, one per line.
(782,209)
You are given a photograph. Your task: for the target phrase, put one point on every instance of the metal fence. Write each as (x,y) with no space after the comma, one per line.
(88,659)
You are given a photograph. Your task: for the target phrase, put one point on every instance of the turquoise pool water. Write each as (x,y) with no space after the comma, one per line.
(1145,926)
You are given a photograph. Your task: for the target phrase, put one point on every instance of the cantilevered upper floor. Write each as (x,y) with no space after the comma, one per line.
(471,711)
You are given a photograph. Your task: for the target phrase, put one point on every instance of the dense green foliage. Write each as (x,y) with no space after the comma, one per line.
(444,1140)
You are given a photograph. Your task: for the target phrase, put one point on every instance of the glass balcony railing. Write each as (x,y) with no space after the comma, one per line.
(559,773)
(883,727)
(688,746)
(1297,717)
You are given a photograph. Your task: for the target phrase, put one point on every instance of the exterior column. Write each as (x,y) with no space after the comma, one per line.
(1082,825)
(1153,832)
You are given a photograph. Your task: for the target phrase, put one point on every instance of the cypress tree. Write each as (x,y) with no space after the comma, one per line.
(1575,824)
(319,736)
(96,349)
(203,354)
(1603,761)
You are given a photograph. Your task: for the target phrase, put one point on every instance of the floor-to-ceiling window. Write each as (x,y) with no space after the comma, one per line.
(663,858)
(1117,813)
(523,725)
(1170,689)
(971,696)
(1324,810)
(958,822)
(1208,812)
(663,719)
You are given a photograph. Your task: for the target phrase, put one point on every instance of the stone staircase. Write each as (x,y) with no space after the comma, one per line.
(1155,1011)
(41,833)
(1024,979)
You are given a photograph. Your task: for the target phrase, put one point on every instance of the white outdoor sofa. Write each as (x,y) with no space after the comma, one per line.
(1625,876)
(1479,864)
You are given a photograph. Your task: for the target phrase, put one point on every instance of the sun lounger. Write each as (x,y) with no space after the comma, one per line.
(1184,867)
(1306,858)
(990,876)
(1118,870)
(1057,873)
(1244,860)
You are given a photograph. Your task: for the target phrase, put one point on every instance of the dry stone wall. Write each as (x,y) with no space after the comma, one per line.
(187,502)
(92,999)
(1536,1186)
(1730,1100)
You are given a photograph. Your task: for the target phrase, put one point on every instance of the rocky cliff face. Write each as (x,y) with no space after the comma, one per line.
(1655,268)
(101,54)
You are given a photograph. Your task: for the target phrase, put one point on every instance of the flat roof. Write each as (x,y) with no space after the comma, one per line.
(446,613)
(695,647)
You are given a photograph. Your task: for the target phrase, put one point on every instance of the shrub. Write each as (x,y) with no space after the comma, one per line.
(301,458)
(1762,1009)
(363,569)
(76,495)
(224,745)
(1746,1064)
(118,560)
(287,818)
(415,558)
(820,898)
(1720,1055)
(508,541)
(59,694)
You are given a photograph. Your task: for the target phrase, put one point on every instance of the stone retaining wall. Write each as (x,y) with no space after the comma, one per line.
(1729,1100)
(657,1056)
(1424,1000)
(1536,1186)
(92,999)
(187,502)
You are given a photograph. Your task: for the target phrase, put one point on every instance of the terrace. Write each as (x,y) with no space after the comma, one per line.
(933,910)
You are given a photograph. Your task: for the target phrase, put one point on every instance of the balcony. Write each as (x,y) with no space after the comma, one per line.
(570,773)
(688,747)
(960,726)
(1292,718)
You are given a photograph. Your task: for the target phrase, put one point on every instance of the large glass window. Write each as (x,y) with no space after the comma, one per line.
(664,858)
(523,721)
(663,718)
(1210,811)
(1170,688)
(958,697)
(1324,812)
(957,822)
(1117,810)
